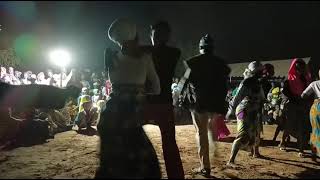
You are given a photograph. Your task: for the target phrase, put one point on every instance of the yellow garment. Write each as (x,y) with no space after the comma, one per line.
(274,96)
(276,90)
(84,99)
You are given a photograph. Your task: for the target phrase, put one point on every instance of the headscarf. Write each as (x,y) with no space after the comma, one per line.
(253,68)
(296,85)
(268,70)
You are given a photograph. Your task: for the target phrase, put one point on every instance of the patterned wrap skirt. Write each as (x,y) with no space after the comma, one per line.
(315,124)
(249,125)
(125,149)
(297,123)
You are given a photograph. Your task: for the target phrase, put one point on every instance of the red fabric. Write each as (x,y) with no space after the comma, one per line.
(220,128)
(108,87)
(295,83)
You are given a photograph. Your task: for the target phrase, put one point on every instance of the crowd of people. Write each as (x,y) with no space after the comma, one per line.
(15,77)
(138,90)
(80,112)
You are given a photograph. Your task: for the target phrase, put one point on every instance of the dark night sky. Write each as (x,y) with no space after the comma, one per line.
(242,30)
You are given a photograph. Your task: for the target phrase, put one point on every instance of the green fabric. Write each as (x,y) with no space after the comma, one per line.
(248,124)
(234,92)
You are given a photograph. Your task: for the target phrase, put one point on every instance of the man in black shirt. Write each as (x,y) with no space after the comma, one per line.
(209,75)
(159,108)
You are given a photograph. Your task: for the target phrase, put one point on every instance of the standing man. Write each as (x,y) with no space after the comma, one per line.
(209,76)
(159,107)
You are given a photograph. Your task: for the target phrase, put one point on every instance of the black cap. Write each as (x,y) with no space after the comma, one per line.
(206,41)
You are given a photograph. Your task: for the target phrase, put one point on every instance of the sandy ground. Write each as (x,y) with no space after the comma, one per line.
(74,155)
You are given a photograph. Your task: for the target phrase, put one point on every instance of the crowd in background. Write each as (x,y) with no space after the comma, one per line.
(82,112)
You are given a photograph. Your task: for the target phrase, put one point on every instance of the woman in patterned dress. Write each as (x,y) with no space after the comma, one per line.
(296,109)
(314,89)
(247,106)
(125,150)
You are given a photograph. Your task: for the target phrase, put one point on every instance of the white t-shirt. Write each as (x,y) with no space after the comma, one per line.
(313,88)
(130,70)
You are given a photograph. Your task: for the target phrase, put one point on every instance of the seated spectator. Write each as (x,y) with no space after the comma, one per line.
(108,86)
(41,79)
(88,115)
(33,78)
(175,90)
(17,78)
(95,78)
(56,80)
(3,72)
(84,92)
(50,79)
(104,92)
(59,121)
(7,79)
(11,72)
(84,82)
(22,128)
(96,96)
(26,78)
(71,109)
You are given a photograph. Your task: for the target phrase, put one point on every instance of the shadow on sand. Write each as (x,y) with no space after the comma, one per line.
(88,131)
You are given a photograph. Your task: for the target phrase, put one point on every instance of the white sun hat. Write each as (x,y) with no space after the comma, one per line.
(122,30)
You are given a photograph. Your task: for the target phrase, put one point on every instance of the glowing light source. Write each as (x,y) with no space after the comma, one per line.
(60,57)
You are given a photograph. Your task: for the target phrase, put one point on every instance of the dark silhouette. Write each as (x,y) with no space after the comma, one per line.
(159,107)
(35,96)
(208,75)
(296,110)
(29,129)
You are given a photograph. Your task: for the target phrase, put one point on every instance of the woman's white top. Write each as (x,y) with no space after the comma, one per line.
(313,88)
(135,71)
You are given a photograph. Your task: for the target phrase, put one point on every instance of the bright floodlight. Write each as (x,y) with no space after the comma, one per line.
(60,57)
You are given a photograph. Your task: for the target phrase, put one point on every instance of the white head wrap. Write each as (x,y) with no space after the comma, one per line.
(253,67)
(122,30)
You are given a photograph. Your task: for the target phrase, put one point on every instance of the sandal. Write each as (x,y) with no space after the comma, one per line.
(204,172)
(282,148)
(300,154)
